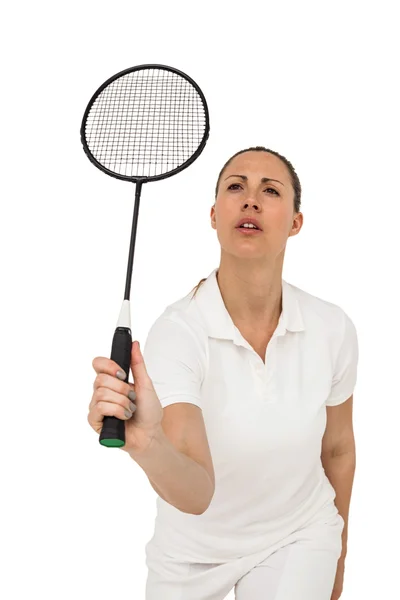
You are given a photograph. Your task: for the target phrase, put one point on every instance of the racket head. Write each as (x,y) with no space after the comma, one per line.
(118,126)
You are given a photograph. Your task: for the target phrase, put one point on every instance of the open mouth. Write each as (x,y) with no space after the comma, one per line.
(248,230)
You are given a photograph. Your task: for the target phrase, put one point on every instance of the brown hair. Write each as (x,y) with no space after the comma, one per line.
(293,177)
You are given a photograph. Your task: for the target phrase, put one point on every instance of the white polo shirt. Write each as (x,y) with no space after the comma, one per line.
(264,422)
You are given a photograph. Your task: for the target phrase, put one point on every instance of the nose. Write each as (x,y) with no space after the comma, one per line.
(253,203)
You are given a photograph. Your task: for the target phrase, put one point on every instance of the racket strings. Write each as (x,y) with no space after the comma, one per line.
(145,123)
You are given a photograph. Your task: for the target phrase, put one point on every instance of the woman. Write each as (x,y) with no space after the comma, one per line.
(252,453)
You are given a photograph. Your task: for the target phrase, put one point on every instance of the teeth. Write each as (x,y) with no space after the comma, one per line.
(249,225)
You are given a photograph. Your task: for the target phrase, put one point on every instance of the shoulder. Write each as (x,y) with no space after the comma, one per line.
(321,314)
(179,332)
(185,313)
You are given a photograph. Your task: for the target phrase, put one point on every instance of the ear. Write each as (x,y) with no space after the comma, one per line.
(212,216)
(297,224)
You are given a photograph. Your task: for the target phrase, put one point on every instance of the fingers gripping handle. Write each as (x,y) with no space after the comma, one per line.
(113,431)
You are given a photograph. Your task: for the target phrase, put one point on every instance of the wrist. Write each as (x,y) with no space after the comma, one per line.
(146,441)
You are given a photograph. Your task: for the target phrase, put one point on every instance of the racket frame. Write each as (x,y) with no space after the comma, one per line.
(145,179)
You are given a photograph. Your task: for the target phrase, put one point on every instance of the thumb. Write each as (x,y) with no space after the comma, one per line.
(138,367)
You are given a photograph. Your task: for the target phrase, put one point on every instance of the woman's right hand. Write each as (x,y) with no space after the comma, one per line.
(110,398)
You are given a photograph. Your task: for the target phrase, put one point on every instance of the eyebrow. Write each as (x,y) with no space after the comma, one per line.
(263,179)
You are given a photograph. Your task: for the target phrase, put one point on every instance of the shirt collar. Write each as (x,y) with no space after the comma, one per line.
(219,323)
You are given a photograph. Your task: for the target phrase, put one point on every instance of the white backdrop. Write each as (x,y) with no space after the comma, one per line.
(317,82)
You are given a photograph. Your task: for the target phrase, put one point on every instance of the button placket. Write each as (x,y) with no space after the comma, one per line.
(260,377)
(269,387)
(270,359)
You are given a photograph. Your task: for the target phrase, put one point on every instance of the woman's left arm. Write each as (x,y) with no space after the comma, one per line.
(338,457)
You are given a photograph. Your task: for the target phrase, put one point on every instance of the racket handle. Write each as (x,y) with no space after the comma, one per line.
(113,432)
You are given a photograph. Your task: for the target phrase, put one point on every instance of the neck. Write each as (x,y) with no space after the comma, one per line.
(252,295)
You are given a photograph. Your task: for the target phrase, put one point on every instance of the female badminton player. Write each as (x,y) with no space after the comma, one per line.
(242,418)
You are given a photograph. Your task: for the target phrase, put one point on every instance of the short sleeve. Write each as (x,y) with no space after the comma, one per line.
(173,361)
(345,373)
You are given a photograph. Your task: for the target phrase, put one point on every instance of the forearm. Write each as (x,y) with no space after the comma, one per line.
(177,479)
(340,471)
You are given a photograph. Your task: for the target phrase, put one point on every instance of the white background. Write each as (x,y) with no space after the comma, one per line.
(316,81)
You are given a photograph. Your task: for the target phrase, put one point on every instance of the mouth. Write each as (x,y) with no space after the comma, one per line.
(249,222)
(248,230)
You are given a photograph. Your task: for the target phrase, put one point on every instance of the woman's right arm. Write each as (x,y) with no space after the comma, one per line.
(170,444)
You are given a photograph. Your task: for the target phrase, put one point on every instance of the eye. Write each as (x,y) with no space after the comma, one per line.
(264,190)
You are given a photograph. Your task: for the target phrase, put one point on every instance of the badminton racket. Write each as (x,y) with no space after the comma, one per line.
(143,124)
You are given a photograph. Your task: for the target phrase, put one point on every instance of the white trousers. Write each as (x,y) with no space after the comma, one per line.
(292,573)
(301,567)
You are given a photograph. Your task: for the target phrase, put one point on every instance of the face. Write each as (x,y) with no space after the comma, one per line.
(271,203)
